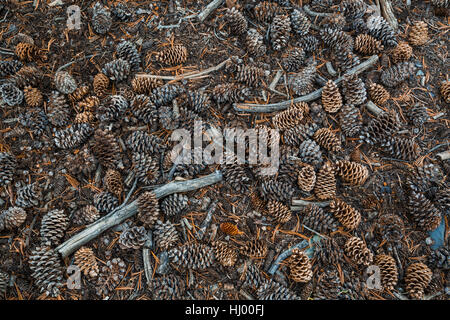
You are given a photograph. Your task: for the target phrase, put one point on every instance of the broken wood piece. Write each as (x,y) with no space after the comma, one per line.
(209,9)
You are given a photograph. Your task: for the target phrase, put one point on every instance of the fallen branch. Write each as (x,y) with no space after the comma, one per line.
(273,107)
(315,14)
(388,13)
(304,203)
(209,9)
(110,220)
(201,232)
(372,107)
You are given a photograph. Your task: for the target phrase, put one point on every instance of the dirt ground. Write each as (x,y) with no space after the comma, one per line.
(156,25)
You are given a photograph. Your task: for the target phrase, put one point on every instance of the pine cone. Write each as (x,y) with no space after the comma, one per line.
(148,208)
(346,60)
(196,256)
(58,111)
(352,172)
(334,21)
(113,108)
(236,21)
(146,168)
(418,34)
(442,199)
(235,176)
(354,90)
(64,82)
(288,118)
(33,96)
(53,226)
(301,83)
(264,11)
(196,101)
(100,84)
(28,76)
(10,94)
(142,142)
(391,227)
(229,228)
(167,287)
(298,134)
(310,152)
(277,190)
(127,50)
(144,85)
(424,177)
(117,70)
(309,43)
(8,164)
(79,93)
(86,215)
(12,218)
(348,216)
(424,214)
(252,276)
(10,67)
(316,219)
(271,290)
(418,277)
(133,238)
(380,29)
(110,276)
(29,196)
(166,236)
(368,45)
(336,40)
(300,23)
(445,91)
(26,51)
(330,251)
(393,76)
(143,109)
(254,43)
(280,31)
(401,148)
(327,140)
(105,202)
(402,52)
(113,182)
(173,56)
(85,260)
(106,149)
(331,97)
(225,254)
(230,92)
(46,270)
(378,94)
(258,204)
(385,124)
(350,120)
(278,212)
(353,9)
(328,285)
(121,12)
(4,282)
(299,266)
(306,178)
(83,162)
(293,59)
(358,252)
(418,115)
(165,94)
(255,249)
(249,75)
(34,120)
(101,19)
(388,270)
(174,204)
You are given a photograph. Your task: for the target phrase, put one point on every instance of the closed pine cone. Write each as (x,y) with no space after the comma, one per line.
(53,226)
(325,187)
(397,73)
(348,216)
(33,96)
(229,228)
(331,97)
(350,120)
(12,217)
(84,117)
(173,56)
(144,85)
(133,238)
(26,51)
(249,75)
(117,70)
(47,270)
(300,22)
(100,84)
(445,91)
(225,254)
(293,59)
(265,11)
(236,21)
(86,215)
(86,261)
(288,118)
(229,92)
(327,139)
(105,201)
(29,195)
(196,256)
(113,182)
(368,45)
(354,90)
(280,31)
(388,270)
(378,94)
(258,204)
(383,125)
(318,220)
(148,208)
(277,190)
(306,178)
(235,176)
(299,266)
(279,212)
(358,252)
(426,216)
(167,287)
(418,277)
(418,34)
(166,236)
(174,204)
(106,148)
(402,52)
(255,249)
(352,172)
(309,152)
(28,76)
(4,281)
(8,164)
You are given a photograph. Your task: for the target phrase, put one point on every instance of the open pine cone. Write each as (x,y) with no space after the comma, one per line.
(325,187)
(388,270)
(418,277)
(348,216)
(299,266)
(225,254)
(255,249)
(357,250)
(85,260)
(352,172)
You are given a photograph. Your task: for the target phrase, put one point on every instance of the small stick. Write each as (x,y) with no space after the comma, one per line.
(372,107)
(388,13)
(330,69)
(212,207)
(275,80)
(147,265)
(286,254)
(444,155)
(209,9)
(299,202)
(315,14)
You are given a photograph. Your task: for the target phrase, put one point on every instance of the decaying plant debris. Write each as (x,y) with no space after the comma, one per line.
(358,90)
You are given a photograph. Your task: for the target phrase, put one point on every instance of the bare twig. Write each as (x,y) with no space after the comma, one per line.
(388,13)
(200,233)
(444,155)
(304,203)
(209,9)
(275,80)
(147,265)
(372,107)
(330,69)
(315,14)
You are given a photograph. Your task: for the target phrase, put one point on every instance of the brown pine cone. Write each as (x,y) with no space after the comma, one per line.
(327,139)
(445,91)
(325,187)
(229,228)
(401,148)
(229,92)
(391,227)
(264,11)
(348,216)
(426,216)
(418,34)
(86,215)
(293,59)
(33,96)
(280,31)
(166,236)
(236,21)
(26,51)
(249,75)
(133,238)
(106,149)
(368,45)
(331,97)
(79,93)
(299,266)
(196,256)
(89,103)
(173,56)
(352,172)
(58,111)
(148,208)
(113,182)
(100,84)
(225,253)
(350,120)
(144,85)
(318,220)
(28,76)
(306,178)
(12,217)
(258,204)
(418,277)
(64,82)
(278,212)
(255,249)
(388,270)
(53,226)
(358,252)
(85,260)
(84,117)
(378,94)
(288,118)
(402,52)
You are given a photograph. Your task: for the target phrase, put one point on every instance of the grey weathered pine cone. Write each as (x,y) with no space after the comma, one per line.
(230,92)
(133,238)
(280,31)
(318,220)
(254,43)
(127,50)
(302,82)
(110,276)
(271,189)
(85,215)
(73,136)
(236,21)
(167,287)
(380,29)
(10,94)
(9,67)
(121,12)
(165,94)
(101,19)
(402,148)
(4,282)
(142,142)
(297,135)
(12,217)
(350,120)
(58,111)
(423,212)
(146,168)
(294,59)
(174,204)
(8,165)
(64,82)
(53,226)
(385,124)
(300,23)
(309,43)
(105,202)
(309,152)
(29,195)
(353,9)
(271,290)
(394,75)
(354,90)
(346,60)
(113,108)
(166,235)
(336,40)
(196,256)
(35,120)
(117,70)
